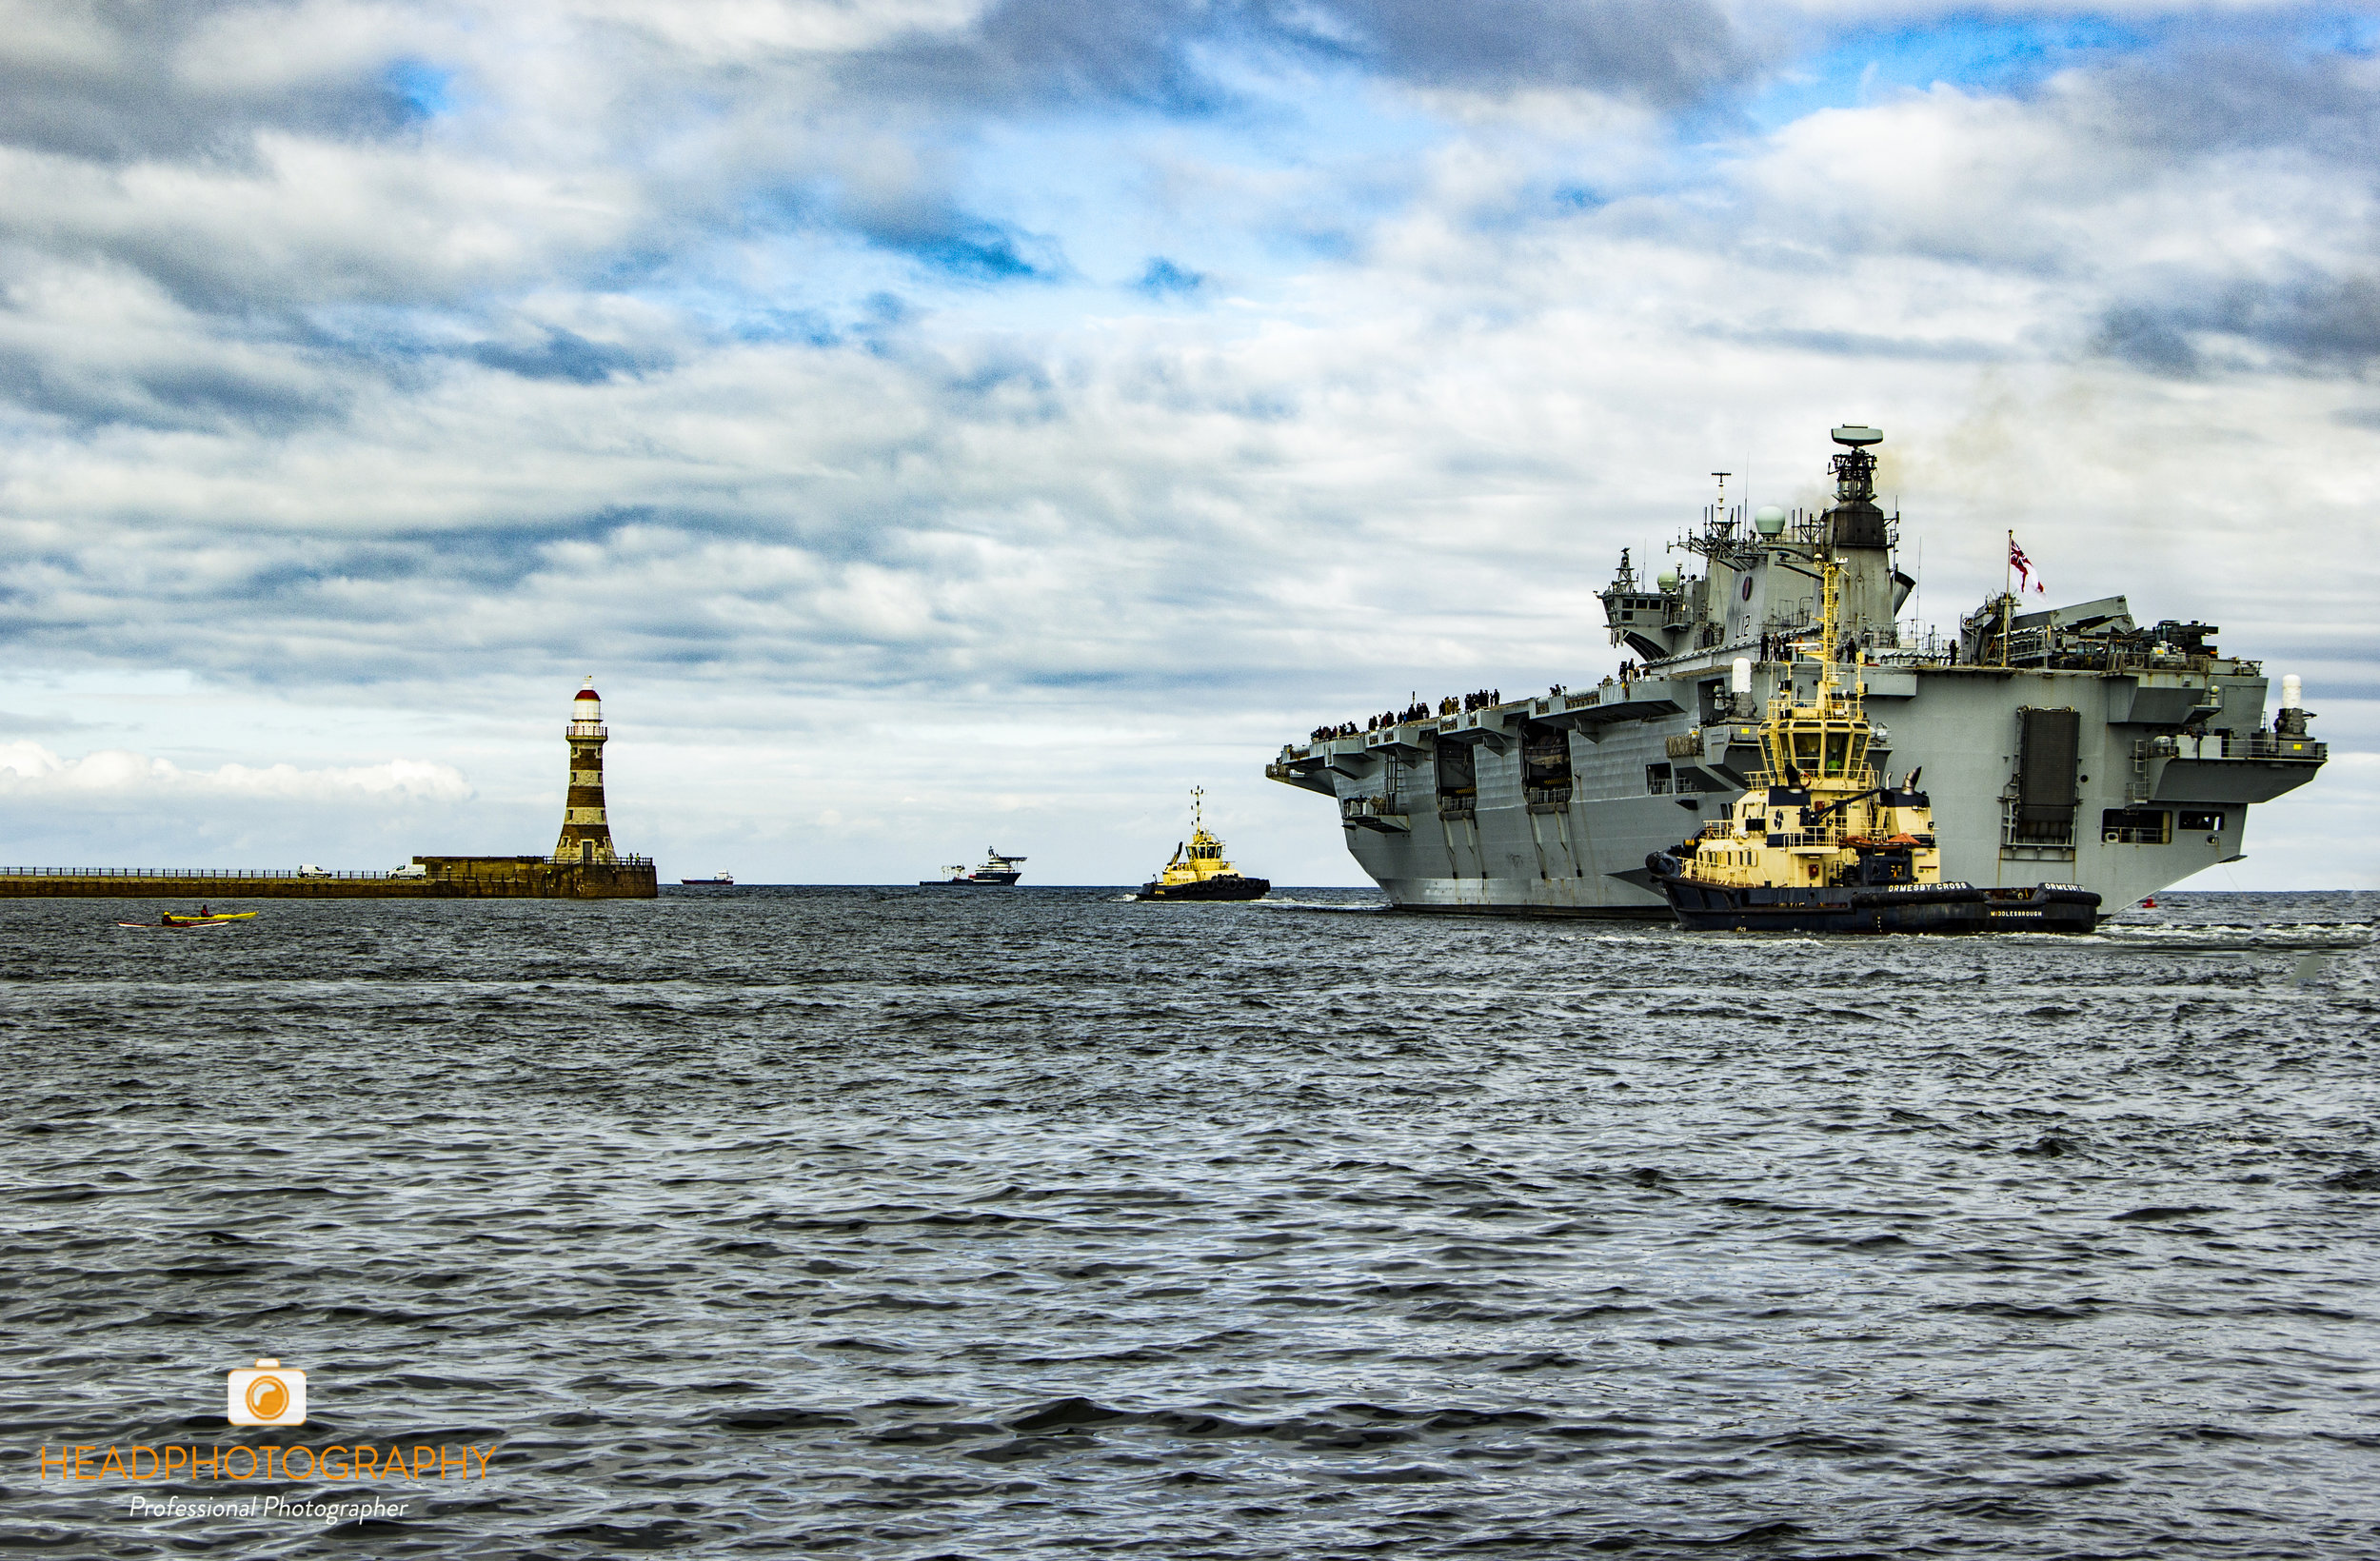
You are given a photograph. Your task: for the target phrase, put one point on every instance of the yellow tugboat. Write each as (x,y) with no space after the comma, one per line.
(1820,843)
(1198,870)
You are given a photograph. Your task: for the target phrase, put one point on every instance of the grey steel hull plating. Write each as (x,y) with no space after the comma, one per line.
(1498,852)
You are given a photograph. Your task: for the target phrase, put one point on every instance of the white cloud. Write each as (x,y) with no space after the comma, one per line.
(731,31)
(265,49)
(32,774)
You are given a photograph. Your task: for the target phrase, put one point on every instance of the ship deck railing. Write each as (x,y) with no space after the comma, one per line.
(2029,649)
(2227,744)
(1829,839)
(1718,830)
(2270,745)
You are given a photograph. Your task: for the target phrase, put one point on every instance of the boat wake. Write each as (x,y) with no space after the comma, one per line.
(1291,903)
(2324,937)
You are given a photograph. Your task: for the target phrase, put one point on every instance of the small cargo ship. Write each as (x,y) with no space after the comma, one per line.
(720,879)
(998,872)
(1198,870)
(1821,843)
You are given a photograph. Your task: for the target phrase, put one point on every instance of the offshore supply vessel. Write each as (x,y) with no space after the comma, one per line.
(2072,745)
(1825,842)
(998,872)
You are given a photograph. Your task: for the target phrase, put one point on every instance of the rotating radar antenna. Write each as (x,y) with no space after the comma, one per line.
(1855,469)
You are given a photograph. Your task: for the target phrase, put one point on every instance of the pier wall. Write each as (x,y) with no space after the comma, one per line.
(442,877)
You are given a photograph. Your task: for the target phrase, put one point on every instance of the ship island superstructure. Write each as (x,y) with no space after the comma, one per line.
(2069,744)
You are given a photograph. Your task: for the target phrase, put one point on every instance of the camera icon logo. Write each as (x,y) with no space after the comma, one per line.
(267,1396)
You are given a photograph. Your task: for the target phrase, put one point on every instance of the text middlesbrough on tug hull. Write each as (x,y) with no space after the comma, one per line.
(2065,743)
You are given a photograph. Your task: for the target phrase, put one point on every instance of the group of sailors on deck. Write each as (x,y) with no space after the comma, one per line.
(1786,646)
(1775,647)
(1479,699)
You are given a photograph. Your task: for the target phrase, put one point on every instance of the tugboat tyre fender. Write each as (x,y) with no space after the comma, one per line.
(1662,864)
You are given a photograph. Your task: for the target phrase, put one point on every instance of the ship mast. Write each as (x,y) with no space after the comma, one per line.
(1830,603)
(1821,744)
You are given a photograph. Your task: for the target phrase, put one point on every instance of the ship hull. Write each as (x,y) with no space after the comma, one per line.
(1511,850)
(1937,908)
(975,881)
(1210,889)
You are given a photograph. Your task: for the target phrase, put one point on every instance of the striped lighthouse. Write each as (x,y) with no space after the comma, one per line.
(585,833)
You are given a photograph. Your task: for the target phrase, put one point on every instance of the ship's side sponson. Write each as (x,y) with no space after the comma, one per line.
(2117,758)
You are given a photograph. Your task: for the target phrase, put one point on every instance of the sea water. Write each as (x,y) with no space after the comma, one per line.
(935,1222)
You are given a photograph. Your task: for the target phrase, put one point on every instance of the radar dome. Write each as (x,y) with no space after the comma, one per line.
(1669,579)
(1769,518)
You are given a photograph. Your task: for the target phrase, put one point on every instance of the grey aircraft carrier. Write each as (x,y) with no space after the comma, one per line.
(2069,746)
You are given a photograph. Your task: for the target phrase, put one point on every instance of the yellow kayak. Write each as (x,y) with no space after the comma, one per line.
(175,918)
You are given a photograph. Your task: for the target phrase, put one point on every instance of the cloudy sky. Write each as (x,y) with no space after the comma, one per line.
(940,424)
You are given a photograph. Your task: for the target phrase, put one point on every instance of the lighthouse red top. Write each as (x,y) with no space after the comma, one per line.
(587,709)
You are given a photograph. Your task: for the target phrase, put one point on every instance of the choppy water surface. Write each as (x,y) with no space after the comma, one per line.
(927,1223)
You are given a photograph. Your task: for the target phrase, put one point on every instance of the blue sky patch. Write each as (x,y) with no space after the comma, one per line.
(978,252)
(428,88)
(1974,53)
(1164,279)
